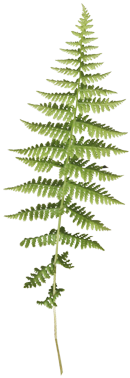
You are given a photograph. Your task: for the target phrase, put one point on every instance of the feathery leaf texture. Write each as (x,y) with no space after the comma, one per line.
(39,276)
(95,192)
(93,91)
(53,109)
(74,62)
(65,237)
(83,96)
(96,106)
(83,218)
(88,78)
(95,128)
(50,300)
(61,97)
(76,166)
(89,57)
(41,212)
(56,149)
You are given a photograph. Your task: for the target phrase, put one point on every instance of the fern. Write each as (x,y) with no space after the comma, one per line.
(50,300)
(64,237)
(44,274)
(71,154)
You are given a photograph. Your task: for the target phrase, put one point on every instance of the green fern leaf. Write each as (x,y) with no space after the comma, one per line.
(87,26)
(52,149)
(64,83)
(74,62)
(43,187)
(83,218)
(78,239)
(72,52)
(91,91)
(69,152)
(93,191)
(75,44)
(87,48)
(95,128)
(88,78)
(61,97)
(64,112)
(76,166)
(88,40)
(90,66)
(40,212)
(66,71)
(87,57)
(79,35)
(96,106)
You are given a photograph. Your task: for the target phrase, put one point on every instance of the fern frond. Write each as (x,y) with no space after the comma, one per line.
(51,298)
(72,240)
(43,187)
(75,43)
(39,128)
(89,47)
(55,148)
(50,109)
(64,83)
(95,128)
(73,167)
(40,166)
(67,98)
(47,239)
(84,221)
(69,152)
(85,42)
(92,152)
(39,276)
(88,40)
(66,71)
(93,191)
(91,91)
(97,106)
(55,133)
(62,260)
(79,35)
(78,239)
(74,62)
(72,52)
(85,19)
(40,212)
(82,29)
(88,78)
(87,57)
(90,66)
(76,166)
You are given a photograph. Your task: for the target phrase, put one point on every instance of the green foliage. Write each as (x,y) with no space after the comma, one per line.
(64,238)
(63,260)
(41,212)
(39,276)
(83,218)
(76,166)
(94,128)
(70,154)
(50,300)
(53,109)
(47,271)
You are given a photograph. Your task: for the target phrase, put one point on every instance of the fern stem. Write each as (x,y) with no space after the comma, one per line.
(55,335)
(67,160)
